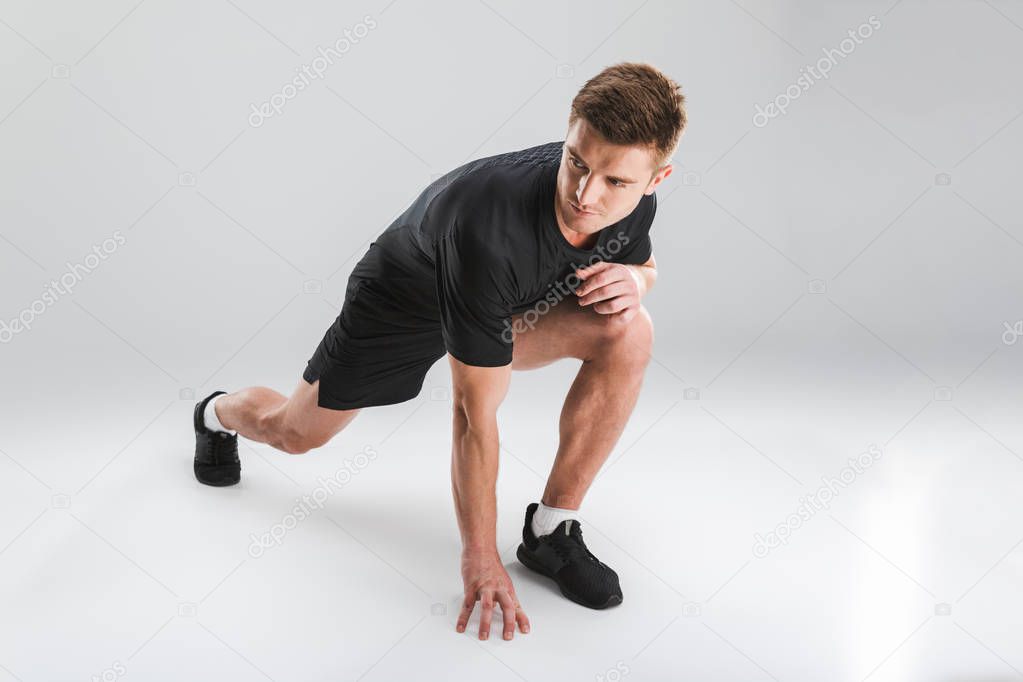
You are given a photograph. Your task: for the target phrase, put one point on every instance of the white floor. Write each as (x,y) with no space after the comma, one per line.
(912,573)
(844,279)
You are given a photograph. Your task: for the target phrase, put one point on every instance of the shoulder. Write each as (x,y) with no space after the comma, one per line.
(529,157)
(500,179)
(485,204)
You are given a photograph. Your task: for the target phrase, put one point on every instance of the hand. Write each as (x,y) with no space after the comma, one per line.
(611,288)
(486,580)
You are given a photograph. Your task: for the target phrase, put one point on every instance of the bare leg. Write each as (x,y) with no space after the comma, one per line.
(244,411)
(294,425)
(602,396)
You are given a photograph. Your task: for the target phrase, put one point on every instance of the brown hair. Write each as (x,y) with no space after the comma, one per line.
(633,103)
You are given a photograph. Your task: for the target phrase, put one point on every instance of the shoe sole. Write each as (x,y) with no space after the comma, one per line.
(527,560)
(219,476)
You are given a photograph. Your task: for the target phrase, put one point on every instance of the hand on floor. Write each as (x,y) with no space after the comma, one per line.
(487,581)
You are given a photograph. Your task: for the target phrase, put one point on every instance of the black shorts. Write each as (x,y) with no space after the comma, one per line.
(375,353)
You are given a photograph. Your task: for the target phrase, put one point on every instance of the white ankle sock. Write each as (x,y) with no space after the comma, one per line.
(546,519)
(209,417)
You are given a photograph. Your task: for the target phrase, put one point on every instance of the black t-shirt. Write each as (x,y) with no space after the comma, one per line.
(482,243)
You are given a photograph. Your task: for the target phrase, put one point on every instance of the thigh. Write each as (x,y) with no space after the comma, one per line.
(568,330)
(302,416)
(375,353)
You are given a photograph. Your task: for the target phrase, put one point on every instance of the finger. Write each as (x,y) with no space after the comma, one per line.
(463,617)
(612,290)
(594,267)
(590,270)
(487,611)
(592,283)
(508,605)
(522,619)
(612,307)
(615,305)
(599,279)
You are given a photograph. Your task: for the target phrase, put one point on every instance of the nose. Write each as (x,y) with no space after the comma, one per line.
(587,192)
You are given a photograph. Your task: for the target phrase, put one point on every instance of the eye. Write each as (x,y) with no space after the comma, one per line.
(616,182)
(576,162)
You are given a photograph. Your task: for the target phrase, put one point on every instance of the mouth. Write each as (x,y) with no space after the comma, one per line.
(579,211)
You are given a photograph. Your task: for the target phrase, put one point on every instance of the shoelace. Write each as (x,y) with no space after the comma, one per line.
(216,443)
(572,547)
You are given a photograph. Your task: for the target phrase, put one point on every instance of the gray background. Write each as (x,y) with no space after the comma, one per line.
(847,275)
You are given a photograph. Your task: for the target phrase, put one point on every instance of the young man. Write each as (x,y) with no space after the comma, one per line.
(508,262)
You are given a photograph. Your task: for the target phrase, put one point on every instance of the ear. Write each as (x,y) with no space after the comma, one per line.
(658,178)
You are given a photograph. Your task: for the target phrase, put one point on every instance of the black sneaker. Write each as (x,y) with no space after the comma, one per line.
(563,556)
(216,452)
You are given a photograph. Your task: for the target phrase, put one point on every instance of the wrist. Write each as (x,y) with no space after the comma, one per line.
(640,279)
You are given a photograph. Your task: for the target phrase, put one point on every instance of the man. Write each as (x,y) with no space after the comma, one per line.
(509,262)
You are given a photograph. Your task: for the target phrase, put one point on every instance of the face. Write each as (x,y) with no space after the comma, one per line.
(600,183)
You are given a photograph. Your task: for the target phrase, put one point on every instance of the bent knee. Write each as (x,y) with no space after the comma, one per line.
(637,332)
(628,342)
(292,445)
(643,325)
(291,439)
(295,442)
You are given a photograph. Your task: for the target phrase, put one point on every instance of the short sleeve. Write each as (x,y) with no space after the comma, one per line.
(637,251)
(472,293)
(639,248)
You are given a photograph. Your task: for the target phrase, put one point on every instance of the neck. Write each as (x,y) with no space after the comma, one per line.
(579,240)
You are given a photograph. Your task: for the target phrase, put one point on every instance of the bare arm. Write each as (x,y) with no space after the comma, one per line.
(474,462)
(478,392)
